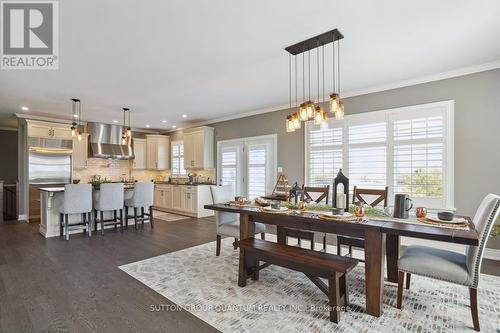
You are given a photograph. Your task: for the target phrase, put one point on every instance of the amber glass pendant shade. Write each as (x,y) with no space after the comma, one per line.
(296,121)
(334,102)
(289,124)
(318,115)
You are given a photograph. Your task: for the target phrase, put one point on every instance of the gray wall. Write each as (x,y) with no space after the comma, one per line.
(477,131)
(8,153)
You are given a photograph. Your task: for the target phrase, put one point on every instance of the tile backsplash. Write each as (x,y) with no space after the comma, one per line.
(116,169)
(113,170)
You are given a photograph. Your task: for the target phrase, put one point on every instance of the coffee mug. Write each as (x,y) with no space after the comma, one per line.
(402,206)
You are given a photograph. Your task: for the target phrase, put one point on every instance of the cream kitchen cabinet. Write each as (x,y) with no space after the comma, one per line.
(186,200)
(140,154)
(49,130)
(199,148)
(157,152)
(80,152)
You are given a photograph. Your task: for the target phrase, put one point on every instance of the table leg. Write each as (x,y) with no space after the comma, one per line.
(374,271)
(280,235)
(392,244)
(247,229)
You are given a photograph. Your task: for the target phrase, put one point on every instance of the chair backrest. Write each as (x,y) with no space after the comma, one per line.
(223,194)
(324,193)
(110,196)
(485,217)
(380,195)
(143,194)
(77,198)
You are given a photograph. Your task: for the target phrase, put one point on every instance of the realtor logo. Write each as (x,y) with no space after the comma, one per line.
(29,35)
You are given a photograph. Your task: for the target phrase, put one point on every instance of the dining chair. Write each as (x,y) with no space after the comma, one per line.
(228,224)
(439,264)
(316,194)
(359,195)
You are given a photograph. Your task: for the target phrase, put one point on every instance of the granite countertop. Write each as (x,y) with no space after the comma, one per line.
(183,184)
(61,188)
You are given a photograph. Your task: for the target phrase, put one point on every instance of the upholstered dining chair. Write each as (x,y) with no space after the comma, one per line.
(381,196)
(228,224)
(462,269)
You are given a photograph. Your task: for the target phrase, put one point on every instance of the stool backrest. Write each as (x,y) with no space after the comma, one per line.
(111,196)
(77,198)
(143,194)
(485,217)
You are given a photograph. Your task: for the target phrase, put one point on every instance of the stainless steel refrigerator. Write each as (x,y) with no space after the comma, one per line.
(49,161)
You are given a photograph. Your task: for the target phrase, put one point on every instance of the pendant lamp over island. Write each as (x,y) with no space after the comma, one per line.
(308,109)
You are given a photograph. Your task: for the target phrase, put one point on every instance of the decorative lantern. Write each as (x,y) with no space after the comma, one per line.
(296,192)
(341,200)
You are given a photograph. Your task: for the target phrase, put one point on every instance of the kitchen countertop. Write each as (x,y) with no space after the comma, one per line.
(184,184)
(61,189)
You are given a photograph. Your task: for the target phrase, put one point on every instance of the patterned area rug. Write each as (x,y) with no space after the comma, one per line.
(286,301)
(168,216)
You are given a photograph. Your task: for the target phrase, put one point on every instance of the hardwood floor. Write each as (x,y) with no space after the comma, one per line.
(51,285)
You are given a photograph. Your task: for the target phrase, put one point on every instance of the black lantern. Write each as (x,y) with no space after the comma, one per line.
(296,192)
(341,179)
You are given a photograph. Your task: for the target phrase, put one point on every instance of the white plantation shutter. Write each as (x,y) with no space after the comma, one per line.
(418,156)
(367,155)
(257,171)
(229,166)
(409,149)
(178,159)
(324,154)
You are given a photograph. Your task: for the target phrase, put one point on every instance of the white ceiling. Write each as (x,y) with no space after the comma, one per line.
(212,59)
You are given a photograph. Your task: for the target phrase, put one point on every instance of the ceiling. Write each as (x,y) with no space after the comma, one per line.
(212,59)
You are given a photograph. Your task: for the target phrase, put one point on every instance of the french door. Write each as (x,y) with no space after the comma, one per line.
(248,164)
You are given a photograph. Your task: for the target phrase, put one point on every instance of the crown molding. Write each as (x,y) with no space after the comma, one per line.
(364,91)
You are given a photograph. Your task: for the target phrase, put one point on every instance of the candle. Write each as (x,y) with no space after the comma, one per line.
(341,200)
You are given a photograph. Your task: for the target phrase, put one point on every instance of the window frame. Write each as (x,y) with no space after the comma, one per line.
(444,108)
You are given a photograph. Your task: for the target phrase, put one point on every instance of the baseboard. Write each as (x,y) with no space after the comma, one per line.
(492,254)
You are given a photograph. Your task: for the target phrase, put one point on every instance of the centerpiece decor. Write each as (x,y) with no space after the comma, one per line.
(340,200)
(308,109)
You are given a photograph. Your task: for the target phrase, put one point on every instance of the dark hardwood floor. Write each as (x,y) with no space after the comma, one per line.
(50,285)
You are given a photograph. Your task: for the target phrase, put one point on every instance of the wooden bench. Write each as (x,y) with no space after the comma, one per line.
(313,264)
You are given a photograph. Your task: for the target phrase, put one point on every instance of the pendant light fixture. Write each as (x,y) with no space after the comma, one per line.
(308,110)
(126,131)
(76,125)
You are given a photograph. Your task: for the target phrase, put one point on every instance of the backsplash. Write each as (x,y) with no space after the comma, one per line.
(113,170)
(116,169)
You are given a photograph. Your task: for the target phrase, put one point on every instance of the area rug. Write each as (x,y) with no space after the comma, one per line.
(286,301)
(168,216)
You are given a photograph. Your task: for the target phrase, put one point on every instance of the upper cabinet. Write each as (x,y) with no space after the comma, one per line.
(140,154)
(49,130)
(80,152)
(199,148)
(157,152)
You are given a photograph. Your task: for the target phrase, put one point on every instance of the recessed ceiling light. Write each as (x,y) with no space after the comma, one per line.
(115,121)
(164,121)
(25,108)
(184,116)
(173,126)
(148,126)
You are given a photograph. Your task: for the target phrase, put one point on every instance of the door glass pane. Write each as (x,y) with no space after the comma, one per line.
(257,174)
(229,167)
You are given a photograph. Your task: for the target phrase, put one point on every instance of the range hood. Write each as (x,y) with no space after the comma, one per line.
(105,141)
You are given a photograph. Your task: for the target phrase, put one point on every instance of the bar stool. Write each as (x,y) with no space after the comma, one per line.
(109,198)
(141,198)
(77,199)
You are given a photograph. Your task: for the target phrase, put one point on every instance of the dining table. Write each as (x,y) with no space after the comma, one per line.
(382,236)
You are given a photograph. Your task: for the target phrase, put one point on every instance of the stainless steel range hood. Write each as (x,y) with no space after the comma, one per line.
(105,141)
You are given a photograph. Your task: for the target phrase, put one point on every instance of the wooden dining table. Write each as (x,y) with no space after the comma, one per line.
(382,239)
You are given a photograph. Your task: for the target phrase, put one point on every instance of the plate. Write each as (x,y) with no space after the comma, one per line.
(456,220)
(340,216)
(270,209)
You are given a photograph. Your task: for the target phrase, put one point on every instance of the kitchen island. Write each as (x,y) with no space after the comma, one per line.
(51,199)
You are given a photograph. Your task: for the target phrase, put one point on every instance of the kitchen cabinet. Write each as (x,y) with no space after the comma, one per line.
(80,152)
(177,197)
(183,199)
(157,152)
(140,154)
(199,148)
(49,130)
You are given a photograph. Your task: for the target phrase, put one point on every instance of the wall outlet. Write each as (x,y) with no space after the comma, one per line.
(280,169)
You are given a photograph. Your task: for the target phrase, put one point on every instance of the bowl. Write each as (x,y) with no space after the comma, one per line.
(445,216)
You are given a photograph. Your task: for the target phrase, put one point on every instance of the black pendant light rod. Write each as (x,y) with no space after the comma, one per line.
(290,80)
(338,68)
(296,86)
(313,42)
(303,78)
(334,77)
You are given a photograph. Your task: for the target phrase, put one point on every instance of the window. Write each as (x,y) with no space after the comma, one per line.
(178,159)
(409,149)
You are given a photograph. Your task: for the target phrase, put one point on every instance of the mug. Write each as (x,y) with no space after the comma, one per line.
(421,212)
(402,206)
